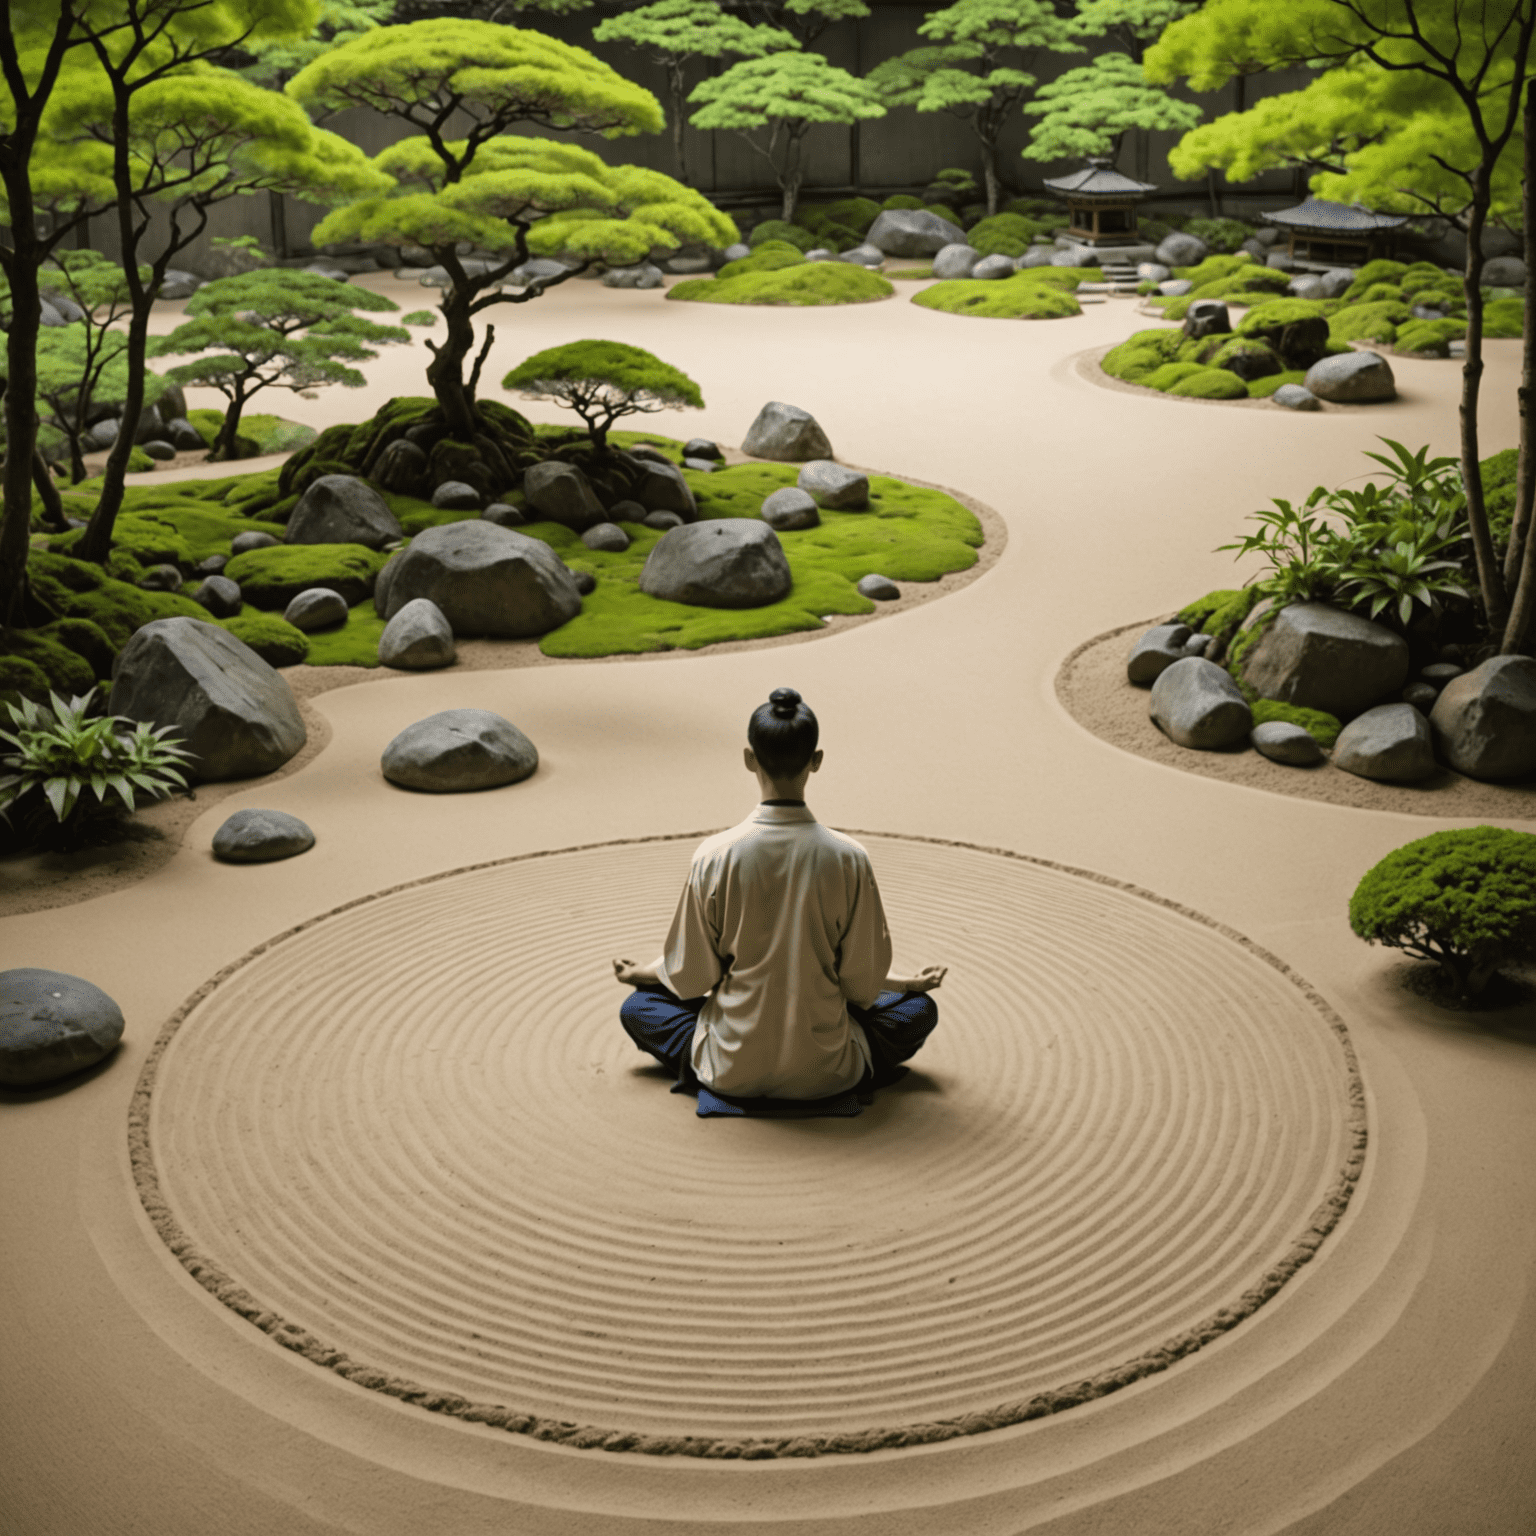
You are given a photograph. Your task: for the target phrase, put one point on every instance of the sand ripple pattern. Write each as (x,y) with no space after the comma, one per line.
(409,1140)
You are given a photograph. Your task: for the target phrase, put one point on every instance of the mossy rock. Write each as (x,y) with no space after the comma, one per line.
(1170,374)
(1210,384)
(1247,357)
(1004,234)
(77,589)
(1429,338)
(855,213)
(1219,613)
(1374,272)
(809,283)
(1020,297)
(1271,317)
(1369,322)
(777,229)
(273,638)
(773,256)
(21,679)
(272,577)
(1322,727)
(1262,389)
(1141,355)
(67,672)
(1380,293)
(275,434)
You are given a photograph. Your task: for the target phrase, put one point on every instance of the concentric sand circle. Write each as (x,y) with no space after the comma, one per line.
(411,1140)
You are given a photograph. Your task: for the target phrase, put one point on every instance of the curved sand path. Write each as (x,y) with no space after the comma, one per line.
(1384,1388)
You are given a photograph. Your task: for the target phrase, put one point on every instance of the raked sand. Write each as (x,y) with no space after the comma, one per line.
(390,1104)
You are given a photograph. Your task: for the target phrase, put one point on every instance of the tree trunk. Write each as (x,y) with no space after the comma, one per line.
(675,89)
(224,444)
(446,373)
(96,543)
(1519,571)
(48,492)
(989,174)
(20,398)
(1489,577)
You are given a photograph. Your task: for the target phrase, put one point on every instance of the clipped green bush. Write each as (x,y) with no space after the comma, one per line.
(1247,357)
(855,213)
(904,200)
(778,229)
(1141,355)
(1380,293)
(1273,315)
(1210,384)
(1369,322)
(1219,613)
(1429,338)
(1322,727)
(1464,899)
(273,638)
(815,282)
(273,577)
(1004,234)
(1020,297)
(770,256)
(1374,272)
(420,317)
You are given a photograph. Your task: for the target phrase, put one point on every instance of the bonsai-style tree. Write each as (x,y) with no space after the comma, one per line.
(1439,89)
(978,69)
(673,33)
(1465,899)
(253,320)
(274,61)
(506,195)
(1089,111)
(602,381)
(773,102)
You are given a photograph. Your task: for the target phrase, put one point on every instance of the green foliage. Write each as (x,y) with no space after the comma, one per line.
(1004,234)
(855,213)
(1170,374)
(1322,727)
(1089,110)
(1464,898)
(65,669)
(1221,235)
(57,754)
(1210,384)
(1219,613)
(1136,359)
(781,232)
(420,317)
(1262,389)
(78,589)
(274,61)
(1246,357)
(1271,317)
(771,256)
(1020,297)
(903,202)
(1369,322)
(816,282)
(1504,318)
(273,577)
(274,639)
(1429,338)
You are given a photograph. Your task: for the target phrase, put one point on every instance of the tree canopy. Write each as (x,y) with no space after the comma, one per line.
(1088,111)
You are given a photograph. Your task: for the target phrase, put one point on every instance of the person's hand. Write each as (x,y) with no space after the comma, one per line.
(927,979)
(631,974)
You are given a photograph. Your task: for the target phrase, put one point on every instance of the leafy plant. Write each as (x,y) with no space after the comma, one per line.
(1298,545)
(60,753)
(1464,898)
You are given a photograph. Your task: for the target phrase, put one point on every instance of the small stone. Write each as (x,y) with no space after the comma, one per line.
(990,268)
(663,520)
(627,512)
(1175,287)
(456,496)
(1438,673)
(1153,272)
(504,515)
(701,448)
(1296,397)
(700,466)
(316,608)
(52,1024)
(790,509)
(786,433)
(1306,285)
(606,536)
(418,638)
(211,566)
(161,578)
(1198,704)
(183,436)
(260,837)
(220,596)
(866,255)
(1197,645)
(1389,744)
(1156,651)
(1421,695)
(833,486)
(880,588)
(244,543)
(586,582)
(1281,741)
(457,750)
(158,448)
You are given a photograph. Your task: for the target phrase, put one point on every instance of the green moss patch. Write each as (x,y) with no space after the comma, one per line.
(1219,613)
(815,282)
(1322,727)
(76,589)
(1020,297)
(1504,319)
(273,577)
(777,229)
(277,642)
(1210,384)
(1262,389)
(773,256)
(1369,322)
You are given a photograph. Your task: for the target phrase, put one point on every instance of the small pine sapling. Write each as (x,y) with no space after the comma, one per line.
(602,381)
(255,321)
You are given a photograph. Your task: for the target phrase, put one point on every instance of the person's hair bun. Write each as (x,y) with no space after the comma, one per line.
(784,702)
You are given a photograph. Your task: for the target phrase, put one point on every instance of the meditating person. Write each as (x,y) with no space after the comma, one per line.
(774,982)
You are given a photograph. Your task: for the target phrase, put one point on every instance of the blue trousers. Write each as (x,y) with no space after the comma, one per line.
(662,1024)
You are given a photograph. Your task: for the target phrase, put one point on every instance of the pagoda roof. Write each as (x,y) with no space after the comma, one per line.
(1099,181)
(1318,216)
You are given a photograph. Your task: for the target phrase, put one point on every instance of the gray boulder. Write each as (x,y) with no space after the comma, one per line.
(878,588)
(418,638)
(1175,287)
(787,434)
(834,487)
(1390,743)
(342,509)
(457,496)
(1352,378)
(1421,696)
(533,273)
(260,837)
(955,260)
(487,580)
(52,1024)
(158,449)
(1306,285)
(606,536)
(1197,704)
(1335,282)
(178,285)
(723,563)
(182,435)
(865,255)
(1501,272)
(1207,317)
(991,268)
(102,435)
(49,315)
(738,251)
(560,493)
(663,520)
(65,306)
(1281,261)
(1153,272)
(457,750)
(701,448)
(254,538)
(1181,250)
(401,467)
(1322,658)
(220,596)
(790,508)
(1439,673)
(235,713)
(648,275)
(316,608)
(1296,397)
(662,488)
(1156,651)
(1282,742)
(1484,722)
(504,515)
(912,232)
(1035,256)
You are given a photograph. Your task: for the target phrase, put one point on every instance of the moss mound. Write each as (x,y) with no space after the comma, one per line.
(1322,727)
(1170,374)
(276,641)
(815,282)
(273,577)
(1020,297)
(1504,319)
(771,256)
(1210,384)
(777,229)
(1374,272)
(76,589)
(66,671)
(1247,357)
(1262,389)
(1273,315)
(1219,613)
(1004,234)
(853,213)
(1376,321)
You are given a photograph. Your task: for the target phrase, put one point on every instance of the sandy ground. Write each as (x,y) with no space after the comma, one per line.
(1384,1389)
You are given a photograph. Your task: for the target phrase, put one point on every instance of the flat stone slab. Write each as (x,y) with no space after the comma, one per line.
(260,836)
(458,750)
(52,1024)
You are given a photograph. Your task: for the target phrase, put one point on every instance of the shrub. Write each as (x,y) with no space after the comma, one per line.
(1499,473)
(1369,322)
(779,229)
(273,577)
(1272,316)
(855,213)
(816,282)
(1004,234)
(1381,293)
(771,256)
(1170,374)
(1429,338)
(1019,297)
(76,589)
(1142,354)
(903,200)
(1374,272)
(1214,268)
(420,317)
(1322,727)
(274,639)
(67,672)
(1211,384)
(1464,898)
(1219,234)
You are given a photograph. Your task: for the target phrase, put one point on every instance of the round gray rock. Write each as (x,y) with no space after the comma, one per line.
(1198,704)
(161,578)
(457,496)
(504,515)
(663,488)
(627,512)
(260,837)
(662,520)
(158,448)
(244,543)
(52,1024)
(880,589)
(418,638)
(1390,743)
(341,509)
(1353,378)
(1156,651)
(990,268)
(1181,250)
(1153,272)
(1281,741)
(1175,287)
(1484,722)
(606,536)
(220,596)
(701,448)
(559,492)
(730,562)
(1296,397)
(316,608)
(836,488)
(586,582)
(787,434)
(458,750)
(789,509)
(211,566)
(1036,256)
(1504,272)
(957,260)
